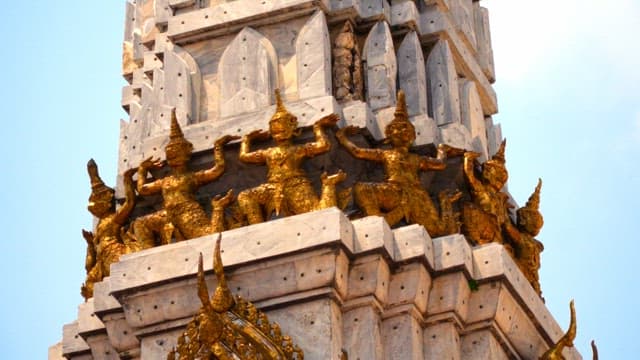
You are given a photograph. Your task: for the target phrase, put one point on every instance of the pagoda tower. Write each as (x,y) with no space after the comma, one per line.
(287,126)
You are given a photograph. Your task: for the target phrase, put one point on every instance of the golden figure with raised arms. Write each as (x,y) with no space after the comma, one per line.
(401,195)
(182,216)
(288,190)
(105,246)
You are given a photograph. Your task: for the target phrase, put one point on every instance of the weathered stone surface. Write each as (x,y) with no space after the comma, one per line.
(443,85)
(473,118)
(157,346)
(121,334)
(464,19)
(402,338)
(451,252)
(55,352)
(482,345)
(363,322)
(72,344)
(103,301)
(381,67)
(88,322)
(248,72)
(410,284)
(372,233)
(313,53)
(456,135)
(101,348)
(427,131)
(315,326)
(322,227)
(369,275)
(412,74)
(449,296)
(359,114)
(405,14)
(494,135)
(484,52)
(412,242)
(441,341)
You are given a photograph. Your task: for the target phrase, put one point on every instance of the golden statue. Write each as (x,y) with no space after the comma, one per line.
(227,328)
(182,216)
(526,249)
(288,189)
(401,195)
(483,219)
(108,243)
(555,352)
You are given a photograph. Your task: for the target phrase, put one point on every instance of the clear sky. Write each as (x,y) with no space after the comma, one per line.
(568,90)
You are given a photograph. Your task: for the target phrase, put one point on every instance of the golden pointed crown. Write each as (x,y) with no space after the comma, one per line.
(283,115)
(177,142)
(530,219)
(499,155)
(401,116)
(534,200)
(97,185)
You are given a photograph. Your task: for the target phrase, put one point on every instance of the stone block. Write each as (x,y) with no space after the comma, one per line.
(378,10)
(464,20)
(88,322)
(452,252)
(484,49)
(494,135)
(441,341)
(402,338)
(442,82)
(410,284)
(369,275)
(412,242)
(456,135)
(372,234)
(383,118)
(313,325)
(358,113)
(412,74)
(101,348)
(482,345)
(473,118)
(361,323)
(313,54)
(55,352)
(103,301)
(121,335)
(449,295)
(158,345)
(427,131)
(242,245)
(73,345)
(381,68)
(405,14)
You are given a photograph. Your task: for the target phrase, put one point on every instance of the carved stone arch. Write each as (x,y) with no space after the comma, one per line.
(381,67)
(412,74)
(248,73)
(313,53)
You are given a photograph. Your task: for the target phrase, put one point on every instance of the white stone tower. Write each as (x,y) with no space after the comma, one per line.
(332,283)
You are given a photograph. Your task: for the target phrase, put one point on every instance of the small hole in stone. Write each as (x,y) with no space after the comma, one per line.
(441,297)
(284,278)
(124,275)
(481,306)
(366,235)
(433,336)
(355,320)
(148,268)
(474,342)
(486,262)
(75,337)
(395,327)
(173,302)
(361,277)
(258,242)
(401,287)
(298,234)
(186,259)
(155,307)
(301,274)
(448,253)
(319,271)
(125,332)
(312,322)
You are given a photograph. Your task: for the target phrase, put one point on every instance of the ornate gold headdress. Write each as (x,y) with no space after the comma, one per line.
(177,142)
(231,328)
(400,117)
(282,115)
(97,185)
(529,216)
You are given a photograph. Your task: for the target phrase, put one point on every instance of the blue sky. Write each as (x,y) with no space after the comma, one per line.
(568,90)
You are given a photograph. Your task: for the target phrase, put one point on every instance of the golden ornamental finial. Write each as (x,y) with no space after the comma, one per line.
(401,106)
(499,155)
(283,115)
(96,182)
(178,144)
(222,298)
(176,131)
(555,352)
(279,104)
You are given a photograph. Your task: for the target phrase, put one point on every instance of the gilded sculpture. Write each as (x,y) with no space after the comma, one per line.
(555,352)
(347,65)
(526,249)
(105,246)
(288,190)
(228,327)
(484,217)
(401,195)
(182,217)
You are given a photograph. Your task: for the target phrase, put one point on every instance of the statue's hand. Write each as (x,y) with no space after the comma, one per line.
(88,236)
(221,202)
(471,155)
(223,140)
(348,131)
(258,135)
(129,173)
(151,163)
(450,150)
(329,120)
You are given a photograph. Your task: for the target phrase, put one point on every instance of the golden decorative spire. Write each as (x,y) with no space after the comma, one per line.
(534,200)
(222,298)
(400,120)
(499,155)
(177,142)
(401,106)
(555,352)
(282,114)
